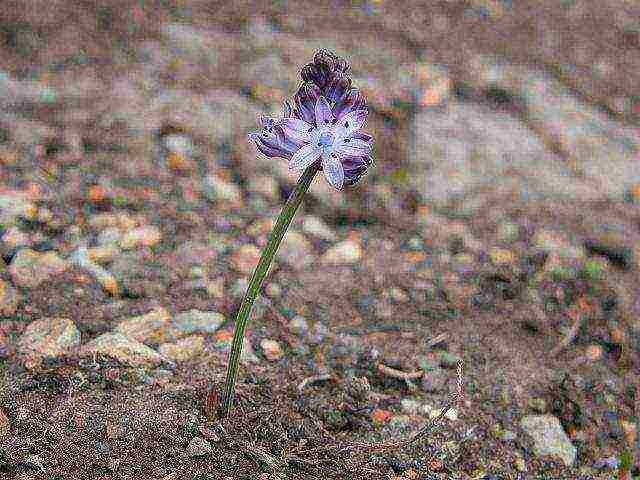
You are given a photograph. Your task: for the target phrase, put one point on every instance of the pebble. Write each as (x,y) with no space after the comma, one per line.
(248,354)
(381,416)
(317,333)
(124,349)
(48,338)
(271,349)
(184,349)
(316,227)
(30,269)
(558,244)
(9,299)
(199,447)
(152,327)
(452,414)
(265,185)
(298,325)
(501,256)
(14,238)
(549,438)
(15,205)
(507,232)
(410,406)
(216,189)
(81,258)
(245,259)
(296,250)
(146,236)
(345,252)
(196,321)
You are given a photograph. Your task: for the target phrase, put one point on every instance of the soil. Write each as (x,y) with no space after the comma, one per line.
(302,416)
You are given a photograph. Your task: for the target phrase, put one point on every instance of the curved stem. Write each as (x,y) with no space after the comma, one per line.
(269,252)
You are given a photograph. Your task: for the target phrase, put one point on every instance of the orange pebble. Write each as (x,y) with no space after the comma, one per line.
(224,336)
(381,416)
(617,335)
(97,194)
(594,352)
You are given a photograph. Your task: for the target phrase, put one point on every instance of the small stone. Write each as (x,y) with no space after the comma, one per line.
(195,321)
(345,252)
(549,438)
(273,290)
(146,236)
(152,327)
(199,447)
(124,349)
(381,416)
(30,269)
(317,333)
(448,360)
(265,185)
(108,282)
(48,338)
(245,259)
(409,406)
(9,299)
(184,349)
(15,205)
(501,256)
(594,352)
(296,250)
(248,354)
(298,325)
(452,414)
(508,232)
(398,295)
(216,189)
(103,254)
(538,404)
(520,464)
(315,226)
(271,349)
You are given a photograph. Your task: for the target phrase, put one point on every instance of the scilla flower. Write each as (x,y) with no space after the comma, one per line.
(323,125)
(319,130)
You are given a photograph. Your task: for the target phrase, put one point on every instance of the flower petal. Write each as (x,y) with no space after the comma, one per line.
(350,123)
(323,112)
(305,157)
(353,147)
(333,171)
(296,129)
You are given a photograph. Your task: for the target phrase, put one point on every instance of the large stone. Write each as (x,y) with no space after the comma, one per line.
(48,338)
(152,327)
(549,438)
(30,269)
(466,148)
(124,349)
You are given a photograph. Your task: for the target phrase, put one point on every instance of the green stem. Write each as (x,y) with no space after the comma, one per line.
(269,252)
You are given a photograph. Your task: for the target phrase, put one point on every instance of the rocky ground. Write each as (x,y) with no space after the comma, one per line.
(500,228)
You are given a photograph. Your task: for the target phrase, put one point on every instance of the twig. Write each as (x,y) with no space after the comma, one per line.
(572,333)
(313,379)
(400,375)
(433,341)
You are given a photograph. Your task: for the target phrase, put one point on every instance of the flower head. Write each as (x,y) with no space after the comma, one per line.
(322,124)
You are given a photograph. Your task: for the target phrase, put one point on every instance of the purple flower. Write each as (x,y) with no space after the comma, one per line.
(322,124)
